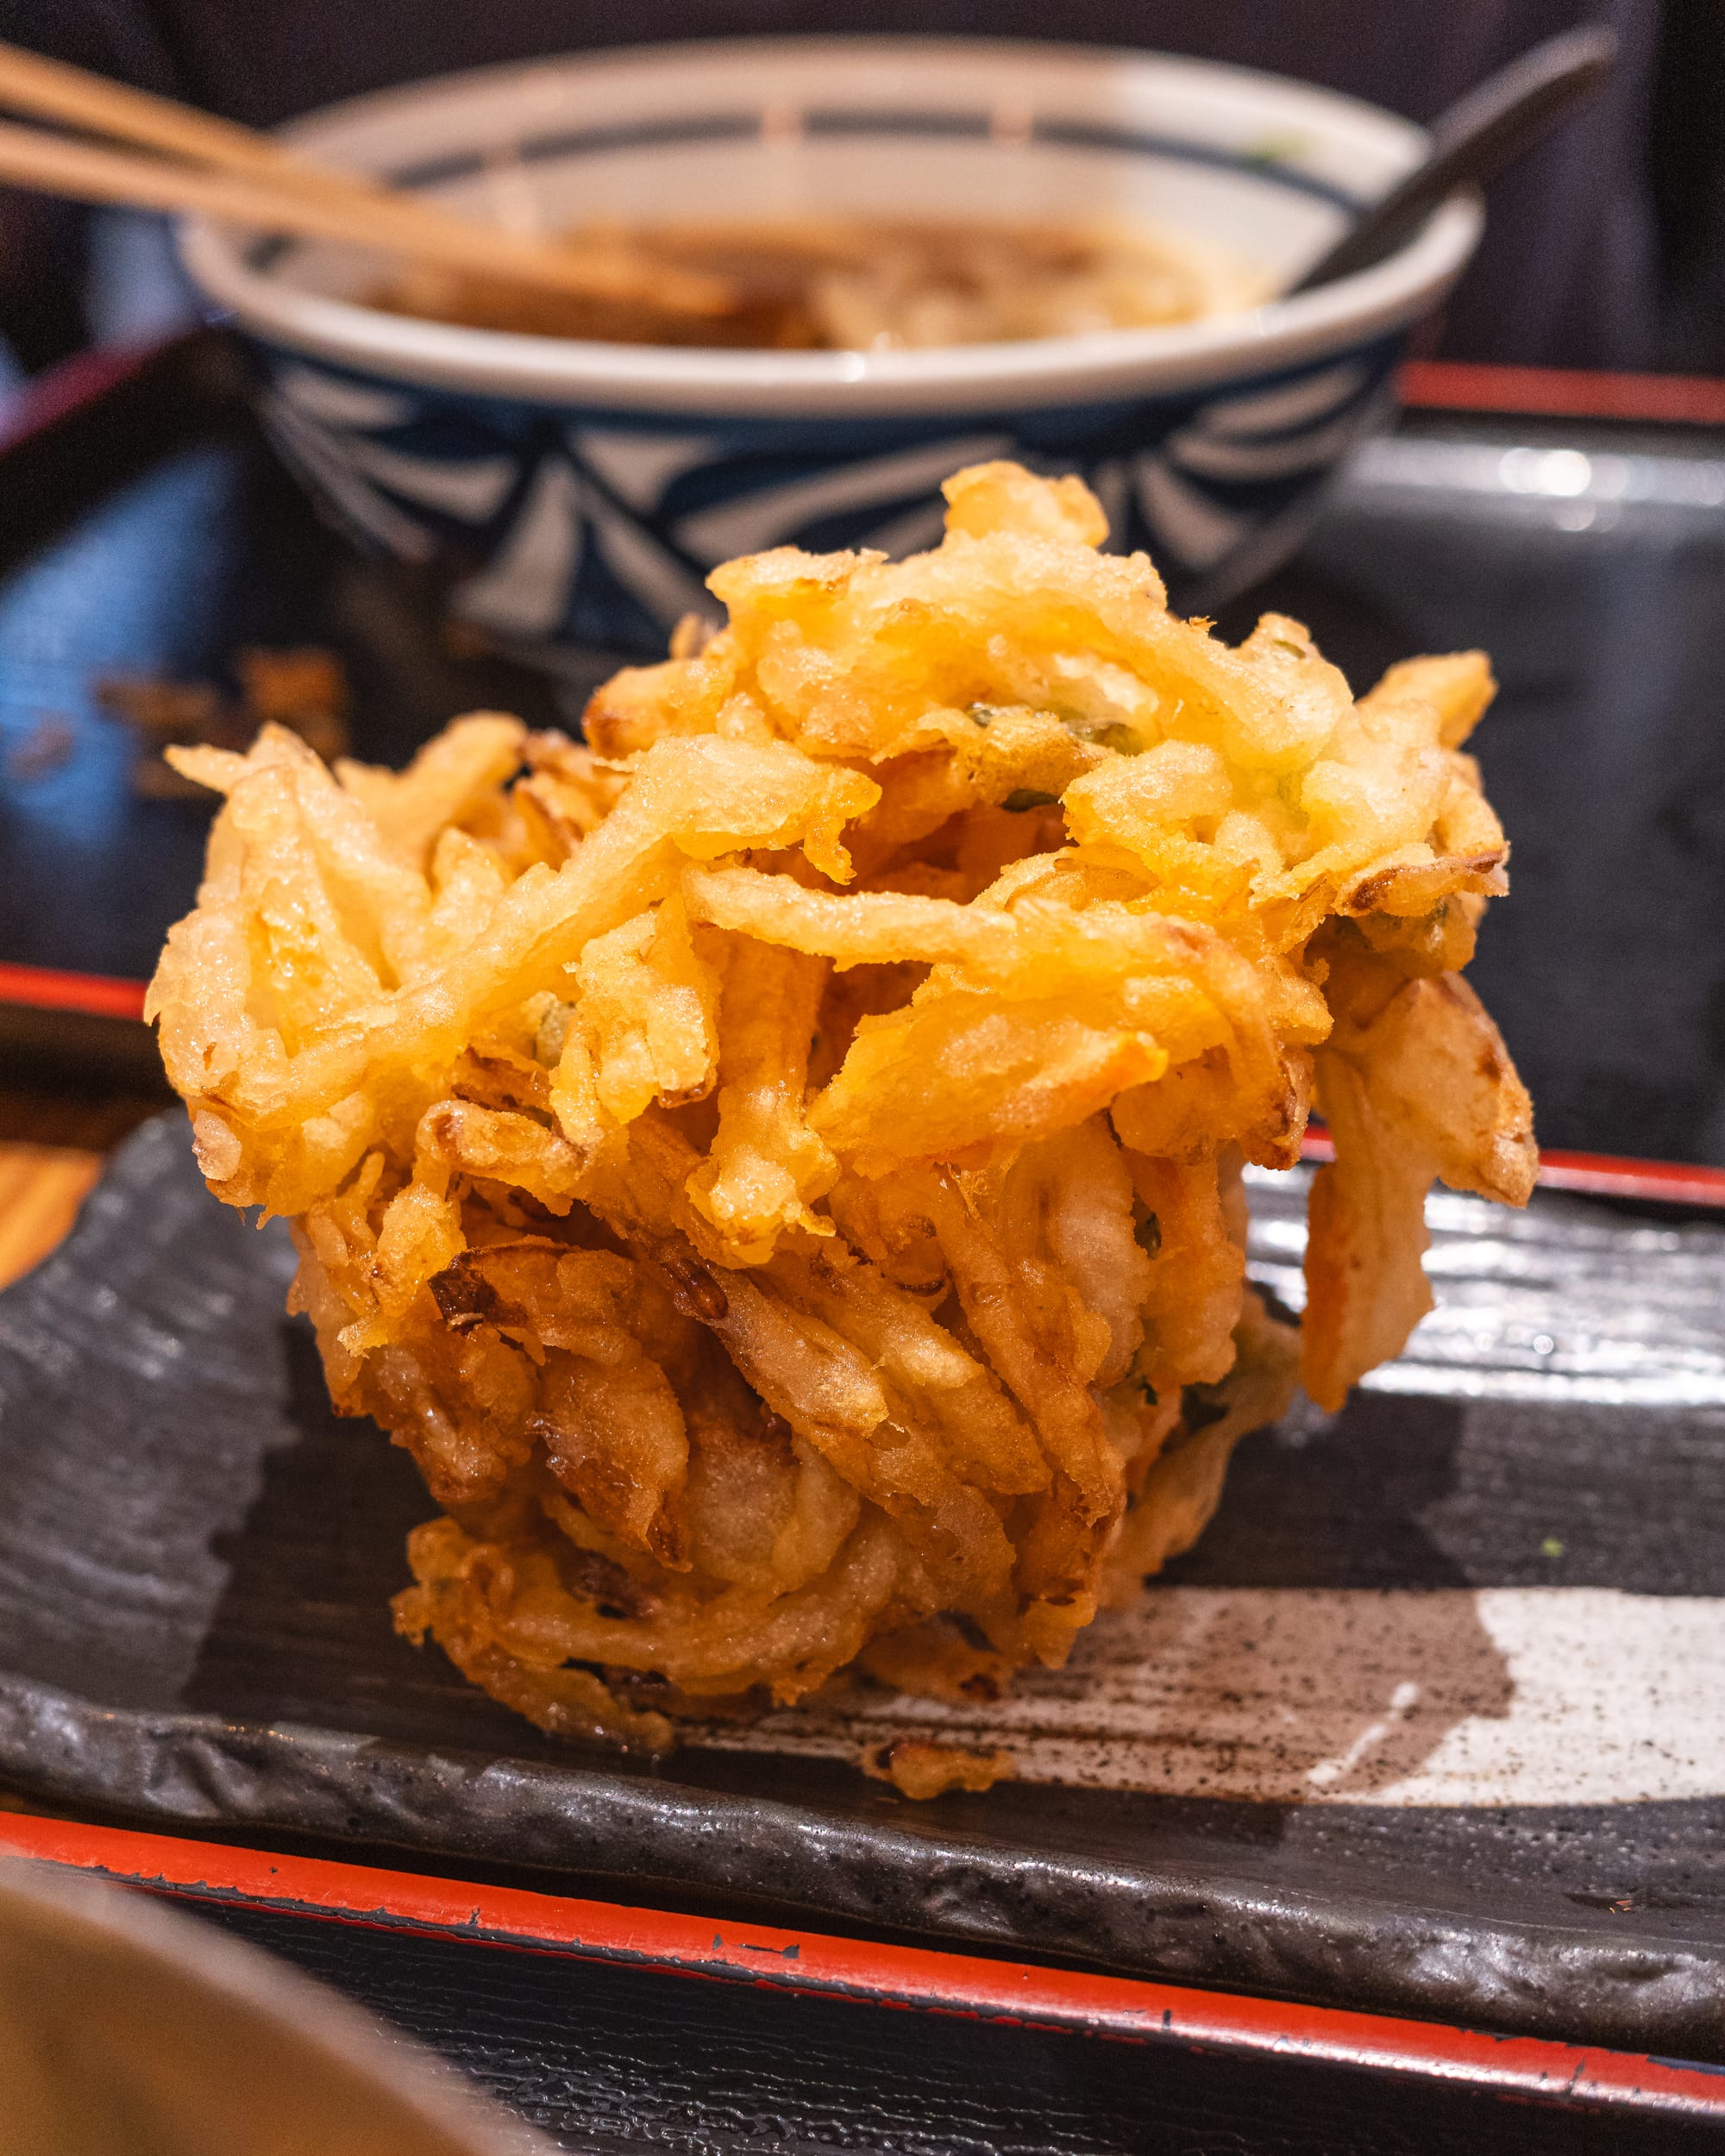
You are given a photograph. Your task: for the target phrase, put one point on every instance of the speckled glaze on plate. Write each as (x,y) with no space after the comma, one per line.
(1429,1722)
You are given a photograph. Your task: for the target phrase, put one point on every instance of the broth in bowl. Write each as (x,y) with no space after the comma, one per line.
(572,492)
(863,283)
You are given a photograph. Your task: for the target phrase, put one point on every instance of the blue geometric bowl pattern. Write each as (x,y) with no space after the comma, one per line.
(561,526)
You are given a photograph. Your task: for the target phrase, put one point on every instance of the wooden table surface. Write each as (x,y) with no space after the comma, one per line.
(42,1187)
(53,1143)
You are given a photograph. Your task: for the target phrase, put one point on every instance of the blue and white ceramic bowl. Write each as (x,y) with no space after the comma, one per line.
(577,494)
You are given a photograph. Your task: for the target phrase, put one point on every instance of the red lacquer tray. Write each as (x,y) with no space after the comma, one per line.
(972,1987)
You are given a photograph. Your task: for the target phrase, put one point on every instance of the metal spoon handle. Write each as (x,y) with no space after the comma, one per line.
(1472,142)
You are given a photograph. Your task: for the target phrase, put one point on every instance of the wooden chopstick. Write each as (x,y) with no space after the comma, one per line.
(53,90)
(251,181)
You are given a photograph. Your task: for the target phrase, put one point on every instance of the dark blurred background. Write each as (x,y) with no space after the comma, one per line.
(1606,248)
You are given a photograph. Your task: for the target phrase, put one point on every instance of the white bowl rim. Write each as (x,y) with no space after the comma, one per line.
(696,382)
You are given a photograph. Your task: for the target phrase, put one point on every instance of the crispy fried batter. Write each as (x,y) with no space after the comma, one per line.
(777,1168)
(921,1770)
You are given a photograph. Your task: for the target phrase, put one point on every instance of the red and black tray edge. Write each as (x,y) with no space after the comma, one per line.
(1552,393)
(910,1978)
(86,995)
(101,1000)
(108,1003)
(84,1028)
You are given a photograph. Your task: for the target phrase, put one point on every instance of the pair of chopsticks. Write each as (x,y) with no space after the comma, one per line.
(219,169)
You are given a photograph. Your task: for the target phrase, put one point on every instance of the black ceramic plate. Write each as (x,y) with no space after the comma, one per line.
(1430,1721)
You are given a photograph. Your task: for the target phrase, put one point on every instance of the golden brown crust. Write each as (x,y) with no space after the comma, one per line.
(922,1770)
(776,1167)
